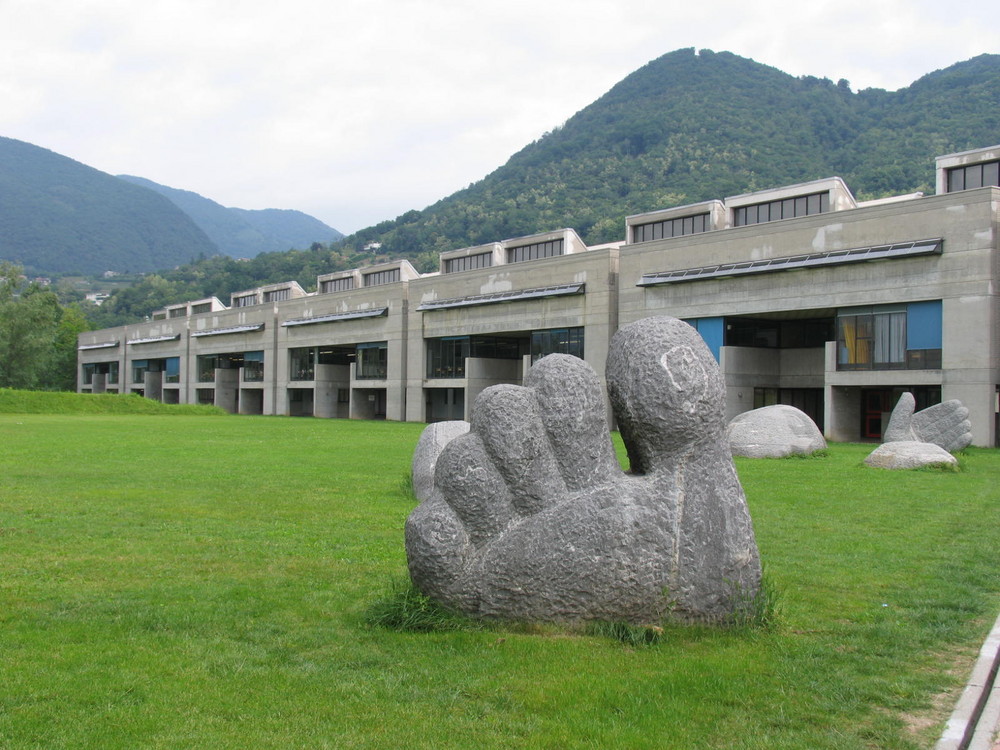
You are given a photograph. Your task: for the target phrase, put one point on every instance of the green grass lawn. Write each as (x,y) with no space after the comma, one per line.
(193,582)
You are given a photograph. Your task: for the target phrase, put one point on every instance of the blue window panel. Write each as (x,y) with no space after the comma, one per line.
(712,331)
(923,325)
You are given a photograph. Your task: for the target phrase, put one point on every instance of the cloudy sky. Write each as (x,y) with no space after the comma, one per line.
(357,110)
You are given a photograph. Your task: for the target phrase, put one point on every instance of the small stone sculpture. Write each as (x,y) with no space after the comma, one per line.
(946,424)
(432,441)
(909,454)
(532,519)
(774,432)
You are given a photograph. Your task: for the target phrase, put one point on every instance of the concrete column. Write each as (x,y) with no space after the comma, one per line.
(227,389)
(152,385)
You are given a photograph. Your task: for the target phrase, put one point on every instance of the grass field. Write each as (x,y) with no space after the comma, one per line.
(193,582)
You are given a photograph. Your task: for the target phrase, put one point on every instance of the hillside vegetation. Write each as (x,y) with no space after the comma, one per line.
(689,127)
(60,216)
(684,128)
(242,233)
(13,401)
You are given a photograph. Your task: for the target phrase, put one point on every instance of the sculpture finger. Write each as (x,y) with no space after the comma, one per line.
(946,424)
(507,419)
(471,485)
(437,549)
(571,404)
(666,391)
(900,427)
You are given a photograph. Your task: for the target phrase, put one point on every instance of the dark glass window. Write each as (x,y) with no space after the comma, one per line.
(204,307)
(277,295)
(534,251)
(245,301)
(139,369)
(556,341)
(377,278)
(372,361)
(446,356)
(468,262)
(172,370)
(974,176)
(253,367)
(659,230)
(803,205)
(302,363)
(342,284)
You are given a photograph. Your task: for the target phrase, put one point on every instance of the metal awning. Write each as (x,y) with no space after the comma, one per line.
(224,331)
(355,315)
(153,340)
(811,260)
(107,345)
(496,297)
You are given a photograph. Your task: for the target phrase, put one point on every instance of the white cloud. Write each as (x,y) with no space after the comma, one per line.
(356,111)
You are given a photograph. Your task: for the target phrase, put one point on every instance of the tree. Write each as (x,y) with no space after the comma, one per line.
(29,323)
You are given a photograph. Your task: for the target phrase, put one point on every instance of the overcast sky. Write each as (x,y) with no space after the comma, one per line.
(355,111)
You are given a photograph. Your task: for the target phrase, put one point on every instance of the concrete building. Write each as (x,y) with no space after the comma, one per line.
(805,295)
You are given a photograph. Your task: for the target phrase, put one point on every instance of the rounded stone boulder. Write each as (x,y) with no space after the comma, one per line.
(908,454)
(432,441)
(774,432)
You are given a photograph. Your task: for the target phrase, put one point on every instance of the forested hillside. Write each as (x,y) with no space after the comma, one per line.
(694,126)
(686,127)
(243,233)
(60,216)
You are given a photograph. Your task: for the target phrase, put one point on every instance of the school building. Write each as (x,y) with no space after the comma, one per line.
(805,295)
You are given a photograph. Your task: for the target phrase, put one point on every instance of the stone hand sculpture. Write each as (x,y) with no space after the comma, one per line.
(946,424)
(531,518)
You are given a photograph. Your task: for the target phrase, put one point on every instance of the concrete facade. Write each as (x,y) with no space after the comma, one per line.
(806,297)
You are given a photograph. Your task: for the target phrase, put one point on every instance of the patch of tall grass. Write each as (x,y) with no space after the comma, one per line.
(14,401)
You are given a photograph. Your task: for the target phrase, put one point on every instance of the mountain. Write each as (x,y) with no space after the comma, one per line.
(687,127)
(242,233)
(60,216)
(692,126)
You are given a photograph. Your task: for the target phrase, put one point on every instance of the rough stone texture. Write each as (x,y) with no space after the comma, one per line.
(908,454)
(531,517)
(432,441)
(774,432)
(946,424)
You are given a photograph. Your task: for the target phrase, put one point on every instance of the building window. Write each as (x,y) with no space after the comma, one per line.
(139,369)
(468,262)
(204,307)
(661,230)
(803,205)
(302,363)
(206,368)
(178,312)
(253,367)
(556,341)
(109,369)
(277,295)
(446,356)
(974,176)
(342,284)
(535,251)
(888,337)
(372,361)
(245,301)
(377,278)
(172,370)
